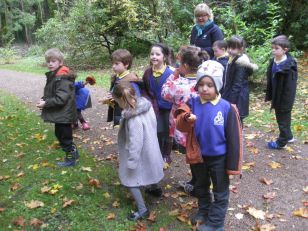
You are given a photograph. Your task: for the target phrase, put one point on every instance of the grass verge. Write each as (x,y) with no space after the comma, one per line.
(85,197)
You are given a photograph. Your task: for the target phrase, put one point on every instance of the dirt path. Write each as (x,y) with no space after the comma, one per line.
(288,180)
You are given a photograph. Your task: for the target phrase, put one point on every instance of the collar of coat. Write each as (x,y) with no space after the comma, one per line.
(142,106)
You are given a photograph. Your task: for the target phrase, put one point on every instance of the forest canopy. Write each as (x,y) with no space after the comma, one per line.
(89,30)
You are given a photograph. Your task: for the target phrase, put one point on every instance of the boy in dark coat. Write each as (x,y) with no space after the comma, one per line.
(281,89)
(58,104)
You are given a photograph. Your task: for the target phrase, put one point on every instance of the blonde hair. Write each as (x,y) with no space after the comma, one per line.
(54,53)
(202,8)
(125,91)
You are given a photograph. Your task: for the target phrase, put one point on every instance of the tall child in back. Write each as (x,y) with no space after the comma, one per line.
(140,160)
(281,89)
(214,139)
(239,68)
(121,63)
(58,104)
(221,55)
(154,77)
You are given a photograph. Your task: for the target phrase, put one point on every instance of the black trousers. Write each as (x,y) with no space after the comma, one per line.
(80,117)
(64,134)
(213,169)
(283,119)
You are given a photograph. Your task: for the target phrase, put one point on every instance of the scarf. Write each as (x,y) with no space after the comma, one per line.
(200,29)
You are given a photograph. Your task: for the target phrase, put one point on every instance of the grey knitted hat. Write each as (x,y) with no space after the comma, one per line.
(212,69)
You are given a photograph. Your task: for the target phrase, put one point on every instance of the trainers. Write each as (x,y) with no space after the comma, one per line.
(273,145)
(137,216)
(85,126)
(291,140)
(187,186)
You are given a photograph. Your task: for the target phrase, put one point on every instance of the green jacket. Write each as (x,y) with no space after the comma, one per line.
(59,95)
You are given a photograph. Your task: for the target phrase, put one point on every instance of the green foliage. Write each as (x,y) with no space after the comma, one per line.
(7,54)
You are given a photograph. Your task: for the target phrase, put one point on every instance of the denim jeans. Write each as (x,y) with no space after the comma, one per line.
(213,169)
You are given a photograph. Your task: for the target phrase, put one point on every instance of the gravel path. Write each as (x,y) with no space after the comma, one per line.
(288,180)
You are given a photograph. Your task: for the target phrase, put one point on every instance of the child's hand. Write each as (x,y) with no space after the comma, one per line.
(191,118)
(41,104)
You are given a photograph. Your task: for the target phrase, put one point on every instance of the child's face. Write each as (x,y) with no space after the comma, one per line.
(119,67)
(218,51)
(53,64)
(234,51)
(207,89)
(278,52)
(157,57)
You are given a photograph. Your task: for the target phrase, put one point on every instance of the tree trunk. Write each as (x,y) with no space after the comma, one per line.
(28,36)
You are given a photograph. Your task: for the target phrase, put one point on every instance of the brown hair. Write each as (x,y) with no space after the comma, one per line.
(125,91)
(236,42)
(221,44)
(124,56)
(54,53)
(281,40)
(193,57)
(165,50)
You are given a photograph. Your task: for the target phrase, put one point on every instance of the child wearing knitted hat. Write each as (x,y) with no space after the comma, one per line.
(214,143)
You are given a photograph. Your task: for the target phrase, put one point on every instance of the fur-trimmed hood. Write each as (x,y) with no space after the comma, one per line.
(142,106)
(243,60)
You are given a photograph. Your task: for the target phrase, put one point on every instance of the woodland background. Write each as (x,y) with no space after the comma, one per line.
(89,30)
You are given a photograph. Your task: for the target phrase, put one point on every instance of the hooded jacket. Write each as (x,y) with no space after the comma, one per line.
(282,94)
(140,159)
(236,89)
(59,97)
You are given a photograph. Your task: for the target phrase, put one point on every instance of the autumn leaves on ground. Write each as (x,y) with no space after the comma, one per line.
(37,195)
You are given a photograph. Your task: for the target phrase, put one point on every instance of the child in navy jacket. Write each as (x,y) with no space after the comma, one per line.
(281,89)
(214,143)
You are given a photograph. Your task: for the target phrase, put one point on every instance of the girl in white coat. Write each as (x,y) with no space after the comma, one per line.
(140,159)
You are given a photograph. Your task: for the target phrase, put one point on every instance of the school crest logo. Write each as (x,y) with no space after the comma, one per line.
(219,119)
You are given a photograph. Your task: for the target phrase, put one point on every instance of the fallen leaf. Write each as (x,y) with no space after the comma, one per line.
(67,203)
(110,216)
(106,195)
(35,167)
(45,189)
(94,182)
(266,181)
(301,212)
(20,174)
(174,212)
(289,149)
(305,189)
(2,210)
(152,217)
(36,222)
(79,187)
(15,186)
(34,204)
(4,177)
(269,195)
(239,216)
(250,136)
(20,221)
(53,210)
(258,214)
(86,169)
(274,165)
(267,227)
(116,204)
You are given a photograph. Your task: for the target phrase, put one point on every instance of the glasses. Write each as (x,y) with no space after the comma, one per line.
(201,16)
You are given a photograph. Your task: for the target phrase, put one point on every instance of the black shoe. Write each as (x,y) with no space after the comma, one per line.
(155,192)
(137,216)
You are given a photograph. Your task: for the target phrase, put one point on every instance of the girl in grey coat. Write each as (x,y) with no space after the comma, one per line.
(140,159)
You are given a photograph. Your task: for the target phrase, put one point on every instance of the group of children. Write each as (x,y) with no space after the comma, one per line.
(200,104)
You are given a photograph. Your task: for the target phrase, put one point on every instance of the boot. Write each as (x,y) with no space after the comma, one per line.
(70,159)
